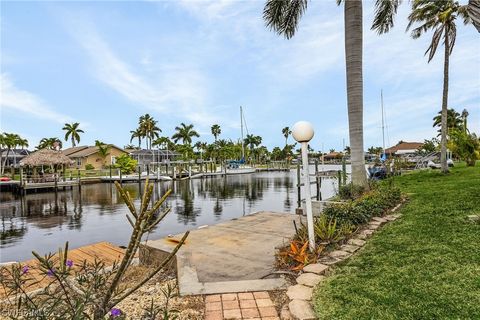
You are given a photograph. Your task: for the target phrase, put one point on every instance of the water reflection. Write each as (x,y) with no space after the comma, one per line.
(43,221)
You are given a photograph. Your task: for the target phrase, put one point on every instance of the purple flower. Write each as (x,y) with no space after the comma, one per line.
(25,269)
(69,263)
(50,273)
(115,312)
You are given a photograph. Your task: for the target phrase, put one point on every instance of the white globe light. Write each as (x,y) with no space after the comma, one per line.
(302,131)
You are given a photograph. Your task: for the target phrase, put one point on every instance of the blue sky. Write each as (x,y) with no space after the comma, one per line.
(104,64)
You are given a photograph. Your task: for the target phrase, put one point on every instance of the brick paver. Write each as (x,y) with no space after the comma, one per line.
(245,305)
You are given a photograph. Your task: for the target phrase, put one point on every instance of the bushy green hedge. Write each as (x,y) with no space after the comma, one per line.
(362,209)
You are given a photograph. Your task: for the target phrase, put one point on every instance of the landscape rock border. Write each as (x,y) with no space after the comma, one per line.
(300,294)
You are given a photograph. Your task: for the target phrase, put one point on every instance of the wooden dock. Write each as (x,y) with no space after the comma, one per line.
(103,251)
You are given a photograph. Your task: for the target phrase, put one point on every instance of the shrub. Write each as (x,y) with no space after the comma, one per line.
(350,191)
(126,164)
(89,166)
(360,211)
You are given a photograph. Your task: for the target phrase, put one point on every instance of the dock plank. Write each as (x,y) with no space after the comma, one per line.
(103,251)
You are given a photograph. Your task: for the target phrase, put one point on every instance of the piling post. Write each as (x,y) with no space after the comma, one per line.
(299,193)
(317,178)
(120,175)
(21,176)
(339,175)
(344,171)
(111,174)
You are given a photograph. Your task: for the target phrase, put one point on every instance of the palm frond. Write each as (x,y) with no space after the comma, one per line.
(474,13)
(452,36)
(385,11)
(437,36)
(283,16)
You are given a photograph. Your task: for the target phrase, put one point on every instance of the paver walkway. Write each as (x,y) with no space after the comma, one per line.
(246,305)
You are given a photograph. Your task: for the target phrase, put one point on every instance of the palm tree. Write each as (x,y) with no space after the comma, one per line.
(286,132)
(103,150)
(284,16)
(72,131)
(454,121)
(216,131)
(464,120)
(11,141)
(149,129)
(50,143)
(137,134)
(439,16)
(185,133)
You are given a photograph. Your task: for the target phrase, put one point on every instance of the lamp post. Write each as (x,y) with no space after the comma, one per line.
(302,132)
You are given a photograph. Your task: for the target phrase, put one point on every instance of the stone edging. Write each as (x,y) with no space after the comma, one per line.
(300,295)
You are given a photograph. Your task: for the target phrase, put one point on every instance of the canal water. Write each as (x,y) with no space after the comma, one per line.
(44,221)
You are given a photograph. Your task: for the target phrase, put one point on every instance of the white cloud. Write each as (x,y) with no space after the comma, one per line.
(28,103)
(178,89)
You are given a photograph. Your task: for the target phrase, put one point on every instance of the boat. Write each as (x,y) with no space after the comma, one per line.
(239,166)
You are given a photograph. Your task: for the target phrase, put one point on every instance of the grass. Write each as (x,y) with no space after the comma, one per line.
(425,265)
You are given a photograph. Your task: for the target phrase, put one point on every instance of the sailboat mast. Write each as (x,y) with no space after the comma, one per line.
(241,128)
(383,122)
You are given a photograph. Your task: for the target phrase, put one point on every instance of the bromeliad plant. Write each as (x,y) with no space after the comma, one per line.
(297,255)
(84,290)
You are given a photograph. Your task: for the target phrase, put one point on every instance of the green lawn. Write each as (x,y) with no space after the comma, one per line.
(425,265)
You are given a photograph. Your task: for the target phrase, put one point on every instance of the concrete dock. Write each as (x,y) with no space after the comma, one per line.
(232,256)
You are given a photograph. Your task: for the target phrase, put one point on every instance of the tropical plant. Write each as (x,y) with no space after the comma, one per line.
(50,143)
(465,145)
(85,290)
(149,129)
(429,146)
(72,130)
(164,142)
(10,141)
(286,132)
(126,164)
(103,150)
(185,133)
(454,121)
(464,120)
(296,255)
(284,16)
(327,232)
(439,16)
(137,134)
(216,130)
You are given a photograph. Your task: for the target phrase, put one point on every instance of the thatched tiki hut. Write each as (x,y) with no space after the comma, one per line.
(52,159)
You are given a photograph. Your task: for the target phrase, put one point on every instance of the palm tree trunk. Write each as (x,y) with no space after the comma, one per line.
(443,141)
(353,55)
(5,161)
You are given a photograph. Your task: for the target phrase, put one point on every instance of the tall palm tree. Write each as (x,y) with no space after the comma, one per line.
(284,16)
(185,133)
(216,130)
(137,134)
(72,131)
(286,132)
(149,128)
(439,16)
(464,120)
(454,121)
